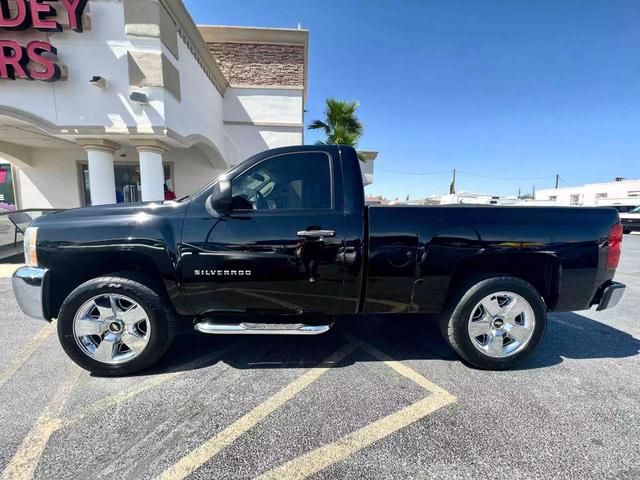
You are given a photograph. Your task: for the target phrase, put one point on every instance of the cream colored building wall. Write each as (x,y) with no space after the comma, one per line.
(257,119)
(254,139)
(200,108)
(52,180)
(191,170)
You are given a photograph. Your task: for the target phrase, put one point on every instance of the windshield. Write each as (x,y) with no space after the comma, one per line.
(636,210)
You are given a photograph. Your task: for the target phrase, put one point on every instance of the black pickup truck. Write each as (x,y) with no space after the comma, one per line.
(284,244)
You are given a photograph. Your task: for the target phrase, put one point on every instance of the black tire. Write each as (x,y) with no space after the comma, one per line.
(454,321)
(139,287)
(626,231)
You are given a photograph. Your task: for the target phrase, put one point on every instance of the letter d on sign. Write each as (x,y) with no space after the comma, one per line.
(22,19)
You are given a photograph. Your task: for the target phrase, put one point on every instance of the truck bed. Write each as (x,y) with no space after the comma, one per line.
(415,253)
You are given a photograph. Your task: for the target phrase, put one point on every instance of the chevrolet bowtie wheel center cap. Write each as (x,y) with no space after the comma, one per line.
(115,327)
(498,323)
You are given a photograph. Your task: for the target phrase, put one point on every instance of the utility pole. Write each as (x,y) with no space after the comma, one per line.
(519,192)
(452,187)
(534,192)
(557,180)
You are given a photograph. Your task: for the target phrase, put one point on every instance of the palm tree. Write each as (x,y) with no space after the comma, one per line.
(340,123)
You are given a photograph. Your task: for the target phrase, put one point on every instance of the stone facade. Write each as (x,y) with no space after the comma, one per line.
(260,64)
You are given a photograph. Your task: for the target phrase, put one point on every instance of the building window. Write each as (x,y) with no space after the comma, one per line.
(7,195)
(127,182)
(633,193)
(574,199)
(553,197)
(601,195)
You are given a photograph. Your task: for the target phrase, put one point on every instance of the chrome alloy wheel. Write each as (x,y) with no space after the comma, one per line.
(501,324)
(111,328)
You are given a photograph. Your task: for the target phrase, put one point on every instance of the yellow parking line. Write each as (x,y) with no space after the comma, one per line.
(7,269)
(124,395)
(205,452)
(404,370)
(316,460)
(25,460)
(321,458)
(26,352)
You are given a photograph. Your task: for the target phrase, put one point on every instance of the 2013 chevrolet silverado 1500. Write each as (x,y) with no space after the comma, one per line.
(284,244)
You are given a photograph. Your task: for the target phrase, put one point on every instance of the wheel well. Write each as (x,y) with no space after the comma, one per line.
(541,270)
(64,280)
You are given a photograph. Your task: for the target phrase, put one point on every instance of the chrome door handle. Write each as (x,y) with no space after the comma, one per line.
(316,233)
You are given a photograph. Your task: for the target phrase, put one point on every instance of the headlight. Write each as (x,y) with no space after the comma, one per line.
(30,253)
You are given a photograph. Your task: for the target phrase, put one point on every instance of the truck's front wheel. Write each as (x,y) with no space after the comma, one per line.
(115,325)
(496,323)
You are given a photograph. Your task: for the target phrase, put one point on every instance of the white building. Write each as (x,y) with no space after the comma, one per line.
(132,98)
(593,194)
(476,199)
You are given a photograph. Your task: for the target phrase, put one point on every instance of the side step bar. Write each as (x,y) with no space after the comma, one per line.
(246,328)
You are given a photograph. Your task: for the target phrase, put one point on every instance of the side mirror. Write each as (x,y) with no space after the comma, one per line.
(218,204)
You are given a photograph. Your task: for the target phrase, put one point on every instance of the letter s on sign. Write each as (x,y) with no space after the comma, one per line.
(51,72)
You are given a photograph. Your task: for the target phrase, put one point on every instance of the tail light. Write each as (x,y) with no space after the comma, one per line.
(615,244)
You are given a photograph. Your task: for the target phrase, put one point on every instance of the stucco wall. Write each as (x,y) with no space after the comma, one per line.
(258,119)
(254,139)
(199,112)
(100,50)
(51,181)
(192,170)
(262,105)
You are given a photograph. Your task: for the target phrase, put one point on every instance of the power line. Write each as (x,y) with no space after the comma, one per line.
(399,172)
(469,174)
(506,178)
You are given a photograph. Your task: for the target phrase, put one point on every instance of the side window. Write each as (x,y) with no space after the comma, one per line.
(292,181)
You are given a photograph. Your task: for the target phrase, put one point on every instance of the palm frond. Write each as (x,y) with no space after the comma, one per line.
(340,123)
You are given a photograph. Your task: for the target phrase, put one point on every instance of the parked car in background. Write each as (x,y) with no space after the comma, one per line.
(631,220)
(622,205)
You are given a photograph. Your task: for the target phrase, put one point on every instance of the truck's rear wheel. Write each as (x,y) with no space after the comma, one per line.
(115,325)
(496,323)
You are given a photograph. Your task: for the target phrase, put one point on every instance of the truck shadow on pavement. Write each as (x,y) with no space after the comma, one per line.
(569,335)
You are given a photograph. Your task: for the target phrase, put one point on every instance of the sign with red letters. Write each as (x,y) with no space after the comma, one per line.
(37,59)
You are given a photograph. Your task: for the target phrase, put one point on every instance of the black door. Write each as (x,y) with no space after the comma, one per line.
(280,248)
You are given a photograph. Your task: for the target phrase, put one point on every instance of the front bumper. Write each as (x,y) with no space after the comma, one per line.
(28,287)
(611,295)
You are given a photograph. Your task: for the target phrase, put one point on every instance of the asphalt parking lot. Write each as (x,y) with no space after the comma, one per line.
(371,399)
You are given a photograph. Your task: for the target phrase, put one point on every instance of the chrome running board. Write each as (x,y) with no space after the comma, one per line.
(246,328)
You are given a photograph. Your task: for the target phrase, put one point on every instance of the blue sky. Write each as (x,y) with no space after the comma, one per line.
(513,90)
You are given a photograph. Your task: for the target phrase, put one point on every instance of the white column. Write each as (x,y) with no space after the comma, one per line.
(151,171)
(102,182)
